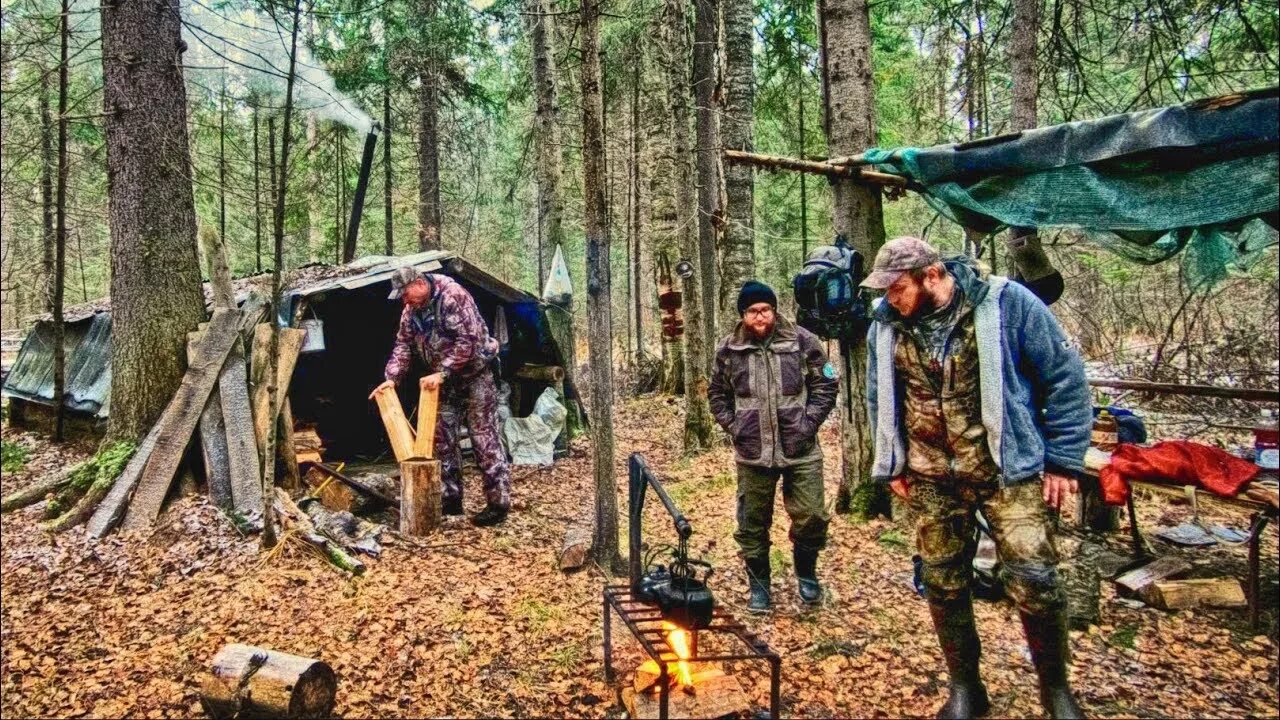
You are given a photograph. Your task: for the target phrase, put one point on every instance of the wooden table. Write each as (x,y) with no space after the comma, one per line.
(1260,515)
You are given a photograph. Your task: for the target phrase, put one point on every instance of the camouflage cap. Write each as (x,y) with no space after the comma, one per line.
(401,278)
(898,256)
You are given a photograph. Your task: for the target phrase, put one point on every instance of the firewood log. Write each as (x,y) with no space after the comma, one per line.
(250,682)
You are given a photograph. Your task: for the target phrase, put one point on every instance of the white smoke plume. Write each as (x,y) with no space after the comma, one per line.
(254,49)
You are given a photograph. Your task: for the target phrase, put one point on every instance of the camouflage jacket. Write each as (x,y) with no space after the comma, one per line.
(448,334)
(771,397)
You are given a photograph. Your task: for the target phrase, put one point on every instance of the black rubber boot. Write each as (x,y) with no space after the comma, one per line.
(758,580)
(490,515)
(1050,651)
(452,506)
(953,621)
(806,562)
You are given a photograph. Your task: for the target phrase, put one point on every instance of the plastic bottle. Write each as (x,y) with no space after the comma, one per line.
(1106,433)
(1266,442)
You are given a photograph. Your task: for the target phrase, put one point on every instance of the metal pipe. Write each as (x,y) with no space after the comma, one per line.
(362,184)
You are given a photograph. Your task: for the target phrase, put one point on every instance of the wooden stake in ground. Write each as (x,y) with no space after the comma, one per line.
(250,682)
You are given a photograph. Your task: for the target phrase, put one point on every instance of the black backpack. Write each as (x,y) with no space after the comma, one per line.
(830,303)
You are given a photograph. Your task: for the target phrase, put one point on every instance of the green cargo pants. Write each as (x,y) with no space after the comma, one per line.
(802,495)
(1020,525)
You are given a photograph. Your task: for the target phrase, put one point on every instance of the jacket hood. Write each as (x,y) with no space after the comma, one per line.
(966,273)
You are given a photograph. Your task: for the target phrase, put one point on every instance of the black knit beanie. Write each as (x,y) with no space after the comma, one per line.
(753,292)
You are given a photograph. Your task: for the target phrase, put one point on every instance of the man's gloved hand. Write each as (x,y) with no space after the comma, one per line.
(432,381)
(382,386)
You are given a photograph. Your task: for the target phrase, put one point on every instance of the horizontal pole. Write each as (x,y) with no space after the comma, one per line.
(1251,394)
(778,162)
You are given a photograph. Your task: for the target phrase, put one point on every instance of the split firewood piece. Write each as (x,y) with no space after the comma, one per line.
(1183,594)
(179,420)
(251,682)
(398,430)
(1134,582)
(242,442)
(420,501)
(293,518)
(428,405)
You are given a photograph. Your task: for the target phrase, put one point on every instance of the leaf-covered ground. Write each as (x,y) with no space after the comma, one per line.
(475,622)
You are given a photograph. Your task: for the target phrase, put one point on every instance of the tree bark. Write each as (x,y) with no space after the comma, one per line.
(706,39)
(849,120)
(429,211)
(60,233)
(313,207)
(639,207)
(155,274)
(604,542)
(387,215)
(538,16)
(48,168)
(739,259)
(697,420)
(257,192)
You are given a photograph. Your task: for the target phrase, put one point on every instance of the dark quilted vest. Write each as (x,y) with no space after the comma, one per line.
(946,440)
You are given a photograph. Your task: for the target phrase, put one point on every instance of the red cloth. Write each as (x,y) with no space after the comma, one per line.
(1174,462)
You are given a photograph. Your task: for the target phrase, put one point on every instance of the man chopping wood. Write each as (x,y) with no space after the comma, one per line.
(770,390)
(442,324)
(977,402)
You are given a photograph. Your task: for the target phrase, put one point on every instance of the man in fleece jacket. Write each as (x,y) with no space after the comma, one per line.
(977,402)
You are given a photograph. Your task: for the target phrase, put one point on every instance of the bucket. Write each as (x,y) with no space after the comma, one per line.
(314,342)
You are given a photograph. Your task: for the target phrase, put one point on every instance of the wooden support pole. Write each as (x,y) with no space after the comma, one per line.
(250,682)
(420,501)
(1252,394)
(397,425)
(428,406)
(827,169)
(541,373)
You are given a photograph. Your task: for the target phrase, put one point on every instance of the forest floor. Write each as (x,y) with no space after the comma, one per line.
(479,622)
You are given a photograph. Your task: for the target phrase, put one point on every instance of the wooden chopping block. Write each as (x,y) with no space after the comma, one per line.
(420,497)
(1136,581)
(250,682)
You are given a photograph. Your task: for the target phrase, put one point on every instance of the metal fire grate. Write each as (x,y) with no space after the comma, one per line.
(645,621)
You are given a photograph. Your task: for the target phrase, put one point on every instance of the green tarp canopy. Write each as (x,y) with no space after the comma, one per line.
(1203,177)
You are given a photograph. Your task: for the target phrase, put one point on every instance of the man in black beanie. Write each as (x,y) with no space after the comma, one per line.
(770,390)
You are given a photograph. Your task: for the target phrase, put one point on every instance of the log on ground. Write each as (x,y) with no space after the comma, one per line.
(250,682)
(1183,594)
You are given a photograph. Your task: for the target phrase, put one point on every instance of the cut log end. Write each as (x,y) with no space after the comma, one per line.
(250,682)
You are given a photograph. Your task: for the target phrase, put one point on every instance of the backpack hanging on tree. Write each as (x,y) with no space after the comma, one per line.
(829,302)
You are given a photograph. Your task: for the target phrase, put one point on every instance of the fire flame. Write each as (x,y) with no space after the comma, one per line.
(678,639)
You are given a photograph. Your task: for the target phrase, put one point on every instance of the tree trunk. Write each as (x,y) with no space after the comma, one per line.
(387,215)
(1028,256)
(60,244)
(313,207)
(739,260)
(639,207)
(155,274)
(537,19)
(849,120)
(257,192)
(604,543)
(429,212)
(706,39)
(697,420)
(48,168)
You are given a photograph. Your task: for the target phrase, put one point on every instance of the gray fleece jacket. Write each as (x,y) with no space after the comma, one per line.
(1035,401)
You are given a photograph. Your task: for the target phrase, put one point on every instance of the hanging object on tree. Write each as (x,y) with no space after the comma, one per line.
(670,300)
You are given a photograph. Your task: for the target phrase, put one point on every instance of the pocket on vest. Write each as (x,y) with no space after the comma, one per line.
(746,435)
(793,429)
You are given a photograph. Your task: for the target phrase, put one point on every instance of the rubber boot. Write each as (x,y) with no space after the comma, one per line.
(806,562)
(758,581)
(953,621)
(490,515)
(1047,637)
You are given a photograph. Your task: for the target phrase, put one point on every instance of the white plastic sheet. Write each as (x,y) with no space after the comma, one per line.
(559,288)
(532,440)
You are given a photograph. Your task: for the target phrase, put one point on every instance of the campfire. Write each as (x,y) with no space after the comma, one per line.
(689,640)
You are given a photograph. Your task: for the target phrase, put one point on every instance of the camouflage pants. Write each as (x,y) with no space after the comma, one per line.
(475,400)
(1020,525)
(802,496)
